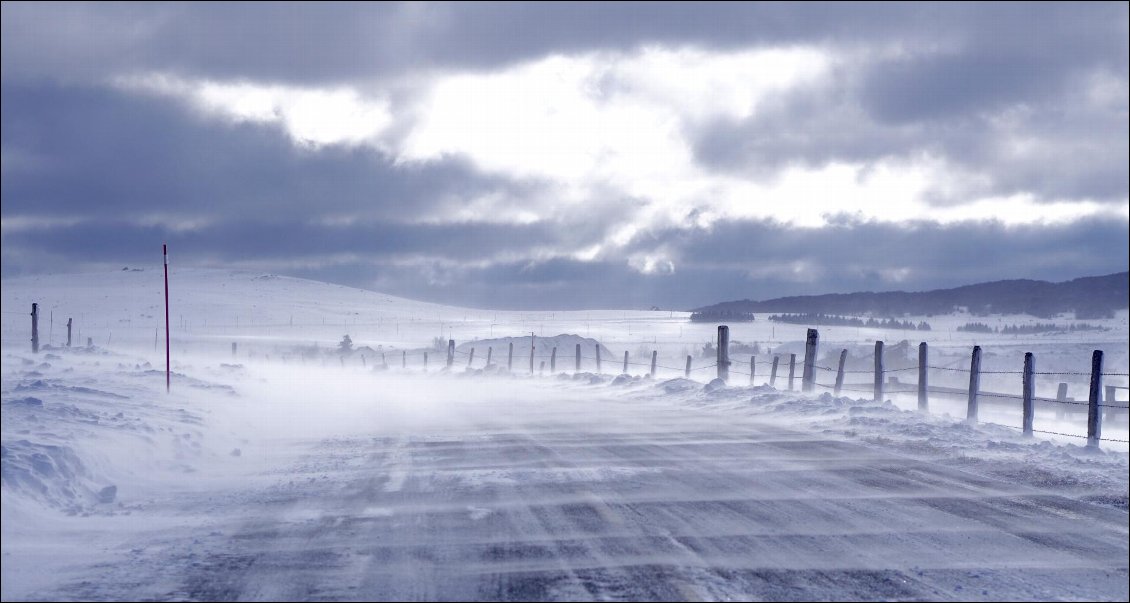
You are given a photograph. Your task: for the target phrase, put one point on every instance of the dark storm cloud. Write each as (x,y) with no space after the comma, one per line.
(321,42)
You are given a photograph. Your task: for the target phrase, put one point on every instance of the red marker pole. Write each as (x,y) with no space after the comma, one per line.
(165,253)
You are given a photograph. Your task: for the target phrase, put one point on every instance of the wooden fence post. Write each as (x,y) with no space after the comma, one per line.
(879,371)
(654,357)
(974,384)
(773,371)
(752,368)
(510,358)
(69,332)
(724,352)
(1029,391)
(541,368)
(625,372)
(810,347)
(532,348)
(577,367)
(687,372)
(598,358)
(89,342)
(490,353)
(792,370)
(840,373)
(1094,417)
(923,377)
(35,328)
(234,347)
(404,359)
(450,353)
(471,358)
(425,362)
(553,360)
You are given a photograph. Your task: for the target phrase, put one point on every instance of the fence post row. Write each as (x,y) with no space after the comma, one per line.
(878,371)
(974,384)
(923,377)
(810,347)
(1028,390)
(724,352)
(1094,417)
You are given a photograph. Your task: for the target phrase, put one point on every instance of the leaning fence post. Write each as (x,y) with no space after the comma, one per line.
(471,358)
(792,370)
(840,373)
(450,352)
(879,371)
(687,372)
(923,377)
(625,362)
(654,356)
(752,368)
(577,367)
(773,371)
(598,358)
(974,384)
(510,358)
(724,352)
(812,340)
(553,360)
(1094,417)
(35,328)
(1029,389)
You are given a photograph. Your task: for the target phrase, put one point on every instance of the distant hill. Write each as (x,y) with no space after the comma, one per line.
(1087,297)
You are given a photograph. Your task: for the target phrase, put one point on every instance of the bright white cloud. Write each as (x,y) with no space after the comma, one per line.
(312,117)
(607,128)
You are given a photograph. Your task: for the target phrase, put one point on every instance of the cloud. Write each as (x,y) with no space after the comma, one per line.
(569,153)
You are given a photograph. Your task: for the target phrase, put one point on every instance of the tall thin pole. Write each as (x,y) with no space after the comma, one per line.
(165,253)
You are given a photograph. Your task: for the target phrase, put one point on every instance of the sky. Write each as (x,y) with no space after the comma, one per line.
(570,155)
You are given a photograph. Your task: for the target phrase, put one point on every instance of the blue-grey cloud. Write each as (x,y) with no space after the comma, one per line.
(1024,99)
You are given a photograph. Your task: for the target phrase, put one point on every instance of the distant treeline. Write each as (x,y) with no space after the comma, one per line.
(848,321)
(980,327)
(719,315)
(1088,298)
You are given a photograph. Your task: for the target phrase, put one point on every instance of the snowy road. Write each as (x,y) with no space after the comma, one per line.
(610,495)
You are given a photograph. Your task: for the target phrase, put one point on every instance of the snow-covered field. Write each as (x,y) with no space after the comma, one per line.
(285,471)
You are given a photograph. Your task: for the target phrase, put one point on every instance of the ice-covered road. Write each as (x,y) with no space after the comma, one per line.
(500,489)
